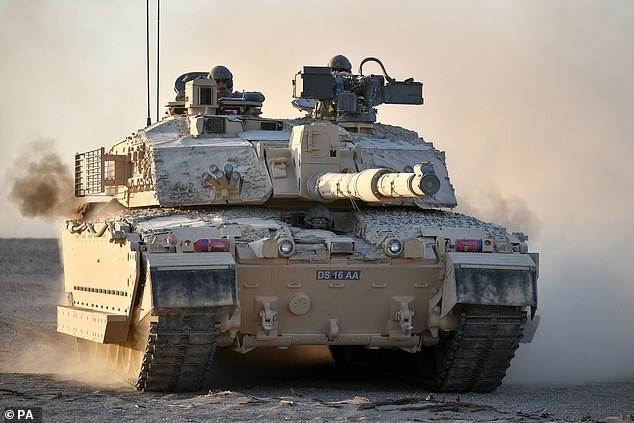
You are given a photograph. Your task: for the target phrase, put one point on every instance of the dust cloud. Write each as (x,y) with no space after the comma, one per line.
(41,185)
(50,353)
(512,212)
(544,118)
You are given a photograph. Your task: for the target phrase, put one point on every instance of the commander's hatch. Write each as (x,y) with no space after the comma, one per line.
(177,107)
(196,94)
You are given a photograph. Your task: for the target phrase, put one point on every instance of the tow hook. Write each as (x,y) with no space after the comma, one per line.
(268,317)
(404,316)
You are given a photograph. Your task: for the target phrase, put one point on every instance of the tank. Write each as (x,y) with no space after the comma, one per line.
(219,228)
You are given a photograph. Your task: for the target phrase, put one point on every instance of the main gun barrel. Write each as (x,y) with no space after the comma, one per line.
(375,185)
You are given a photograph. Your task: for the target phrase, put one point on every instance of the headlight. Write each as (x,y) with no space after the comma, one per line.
(393,247)
(286,248)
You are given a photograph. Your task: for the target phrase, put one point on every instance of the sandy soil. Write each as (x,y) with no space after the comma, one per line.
(39,368)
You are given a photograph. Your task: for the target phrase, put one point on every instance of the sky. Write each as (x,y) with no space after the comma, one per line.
(532,101)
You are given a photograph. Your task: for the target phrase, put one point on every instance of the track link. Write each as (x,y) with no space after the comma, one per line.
(179,353)
(481,349)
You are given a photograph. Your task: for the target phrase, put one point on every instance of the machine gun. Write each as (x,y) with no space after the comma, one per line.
(344,97)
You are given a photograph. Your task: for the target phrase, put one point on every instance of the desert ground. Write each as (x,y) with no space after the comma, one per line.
(39,368)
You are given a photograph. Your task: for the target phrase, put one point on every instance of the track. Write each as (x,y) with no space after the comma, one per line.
(481,349)
(473,358)
(179,353)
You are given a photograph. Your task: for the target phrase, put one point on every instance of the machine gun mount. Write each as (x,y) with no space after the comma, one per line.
(343,97)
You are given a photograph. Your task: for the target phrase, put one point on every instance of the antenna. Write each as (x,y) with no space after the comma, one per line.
(147,55)
(158,24)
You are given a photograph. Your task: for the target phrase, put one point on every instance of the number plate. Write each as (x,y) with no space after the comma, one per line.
(338,275)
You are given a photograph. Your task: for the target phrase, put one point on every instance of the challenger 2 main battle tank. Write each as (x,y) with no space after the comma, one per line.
(219,228)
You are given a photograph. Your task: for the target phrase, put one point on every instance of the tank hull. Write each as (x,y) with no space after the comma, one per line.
(155,309)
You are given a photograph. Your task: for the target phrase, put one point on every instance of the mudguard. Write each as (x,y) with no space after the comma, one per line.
(196,281)
(489,279)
